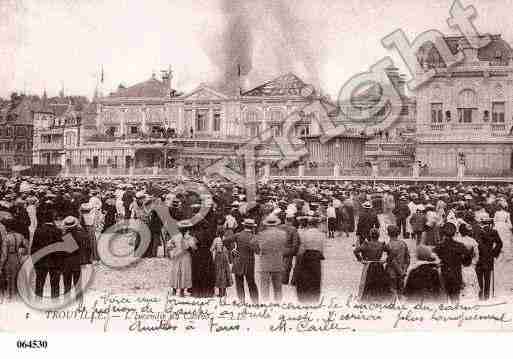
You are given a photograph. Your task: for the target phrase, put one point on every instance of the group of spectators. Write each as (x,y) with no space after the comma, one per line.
(455,232)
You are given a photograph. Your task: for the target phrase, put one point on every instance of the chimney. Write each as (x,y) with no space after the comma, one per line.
(167,77)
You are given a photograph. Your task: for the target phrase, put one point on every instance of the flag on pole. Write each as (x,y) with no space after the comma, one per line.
(101,79)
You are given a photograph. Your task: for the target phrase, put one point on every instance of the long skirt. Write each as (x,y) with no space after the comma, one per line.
(308,275)
(374,283)
(424,283)
(181,274)
(507,240)
(11,268)
(470,289)
(203,273)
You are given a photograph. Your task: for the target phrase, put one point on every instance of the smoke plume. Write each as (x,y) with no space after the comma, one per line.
(260,39)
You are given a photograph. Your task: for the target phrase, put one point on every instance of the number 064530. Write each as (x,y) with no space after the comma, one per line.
(32,344)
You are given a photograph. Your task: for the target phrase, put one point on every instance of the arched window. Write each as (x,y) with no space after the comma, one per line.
(467,106)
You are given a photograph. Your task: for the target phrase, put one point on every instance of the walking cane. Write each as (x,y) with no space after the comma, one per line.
(493,283)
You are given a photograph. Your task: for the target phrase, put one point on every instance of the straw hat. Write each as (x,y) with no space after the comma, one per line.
(249,222)
(70,222)
(85,207)
(271,221)
(184,224)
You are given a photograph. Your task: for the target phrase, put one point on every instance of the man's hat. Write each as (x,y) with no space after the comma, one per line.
(70,222)
(184,224)
(249,222)
(367,205)
(271,220)
(85,207)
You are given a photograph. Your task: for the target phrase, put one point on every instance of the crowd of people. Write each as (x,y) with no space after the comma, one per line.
(456,234)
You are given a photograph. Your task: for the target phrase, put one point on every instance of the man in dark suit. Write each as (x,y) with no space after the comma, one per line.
(453,255)
(243,246)
(367,220)
(51,264)
(490,246)
(73,262)
(402,212)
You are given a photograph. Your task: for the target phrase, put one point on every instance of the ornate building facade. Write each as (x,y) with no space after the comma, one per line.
(16,135)
(465,113)
(150,128)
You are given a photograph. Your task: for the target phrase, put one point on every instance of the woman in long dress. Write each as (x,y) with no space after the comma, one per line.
(374,283)
(307,272)
(470,285)
(14,246)
(423,282)
(502,224)
(179,247)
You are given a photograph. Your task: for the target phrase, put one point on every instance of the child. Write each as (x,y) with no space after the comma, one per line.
(222,266)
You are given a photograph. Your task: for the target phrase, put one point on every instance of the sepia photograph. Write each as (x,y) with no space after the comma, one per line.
(255,167)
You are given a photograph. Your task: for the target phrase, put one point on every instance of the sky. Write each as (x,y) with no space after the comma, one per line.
(54,44)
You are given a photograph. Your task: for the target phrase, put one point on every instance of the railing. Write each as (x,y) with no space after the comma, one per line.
(437,127)
(121,171)
(498,127)
(396,172)
(319,171)
(467,126)
(288,171)
(143,171)
(51,146)
(357,171)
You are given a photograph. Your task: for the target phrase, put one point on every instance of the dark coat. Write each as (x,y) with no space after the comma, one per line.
(367,220)
(423,284)
(418,222)
(44,236)
(22,220)
(80,256)
(246,246)
(453,255)
(402,210)
(490,246)
(203,269)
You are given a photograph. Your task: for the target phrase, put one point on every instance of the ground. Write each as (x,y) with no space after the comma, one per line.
(341,272)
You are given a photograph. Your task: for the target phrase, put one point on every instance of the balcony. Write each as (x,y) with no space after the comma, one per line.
(51,146)
(100,171)
(498,129)
(51,131)
(437,127)
(468,127)
(319,171)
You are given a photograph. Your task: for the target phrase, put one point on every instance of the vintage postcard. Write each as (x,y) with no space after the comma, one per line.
(255,167)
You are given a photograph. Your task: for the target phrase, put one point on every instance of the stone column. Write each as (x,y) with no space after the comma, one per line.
(416,169)
(210,121)
(336,170)
(180,170)
(461,165)
(155,168)
(267,170)
(301,170)
(131,166)
(374,170)
(65,165)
